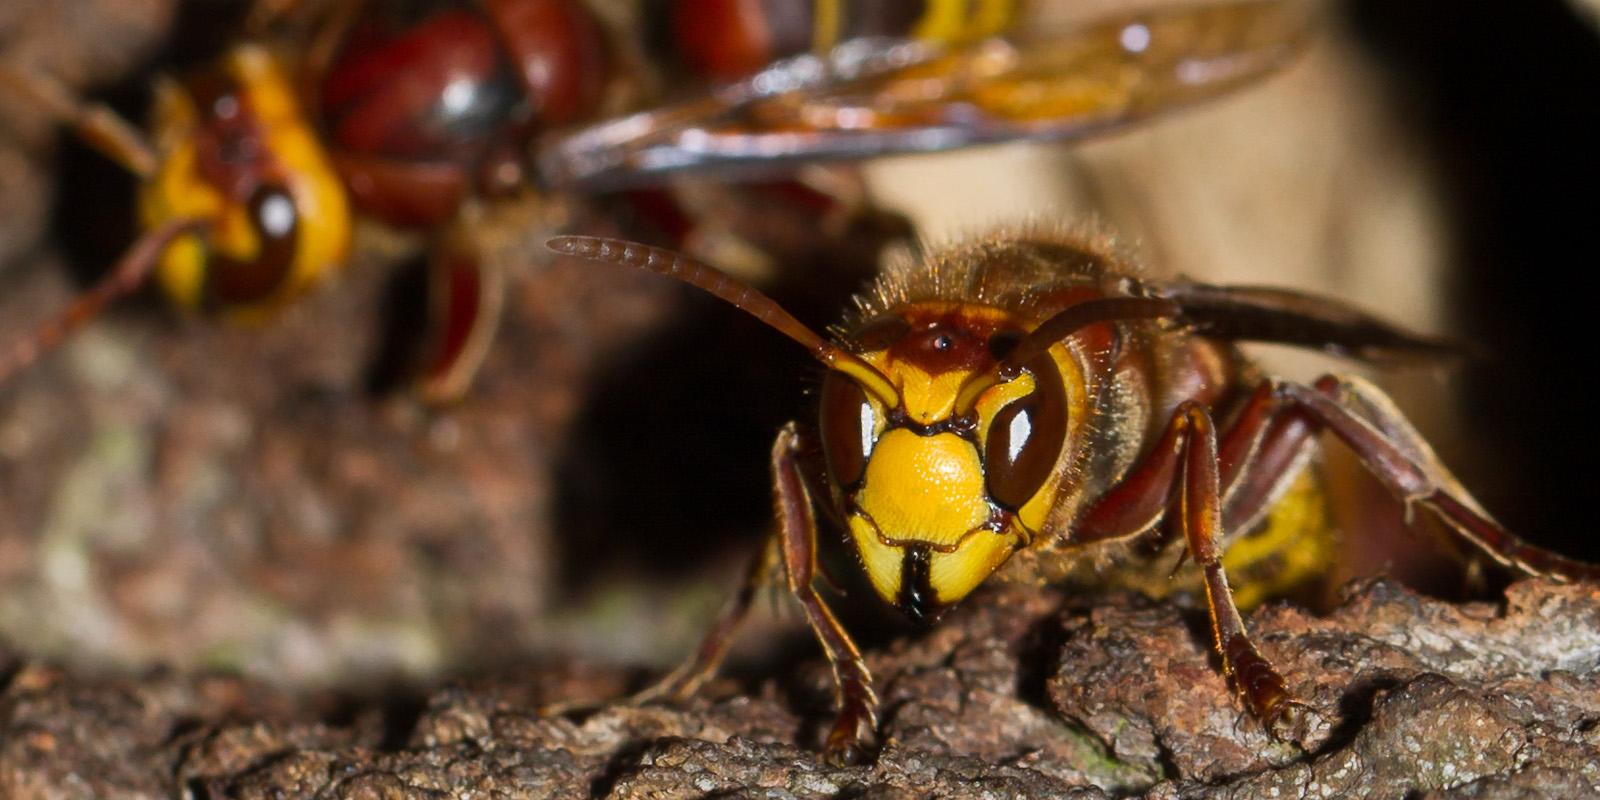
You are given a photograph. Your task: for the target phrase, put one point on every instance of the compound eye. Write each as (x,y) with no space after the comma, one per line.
(1026,437)
(255,280)
(273,211)
(847,429)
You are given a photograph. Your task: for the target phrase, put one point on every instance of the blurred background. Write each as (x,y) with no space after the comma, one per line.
(182,492)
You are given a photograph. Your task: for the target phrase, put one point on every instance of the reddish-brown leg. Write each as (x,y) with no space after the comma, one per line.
(466,297)
(1282,419)
(1200,504)
(1367,422)
(1258,436)
(1267,442)
(687,679)
(1185,461)
(129,274)
(797,532)
(794,545)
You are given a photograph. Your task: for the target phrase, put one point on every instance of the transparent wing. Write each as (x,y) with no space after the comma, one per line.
(875,97)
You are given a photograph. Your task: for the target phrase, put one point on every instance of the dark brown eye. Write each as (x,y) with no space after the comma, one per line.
(277,223)
(1026,438)
(846,422)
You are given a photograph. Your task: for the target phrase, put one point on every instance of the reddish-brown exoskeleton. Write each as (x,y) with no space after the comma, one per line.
(1030,408)
(414,112)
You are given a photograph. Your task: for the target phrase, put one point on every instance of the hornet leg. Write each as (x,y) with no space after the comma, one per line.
(794,546)
(797,530)
(1368,422)
(680,684)
(1184,467)
(1283,418)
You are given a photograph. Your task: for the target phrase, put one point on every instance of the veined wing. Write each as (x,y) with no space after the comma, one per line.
(875,97)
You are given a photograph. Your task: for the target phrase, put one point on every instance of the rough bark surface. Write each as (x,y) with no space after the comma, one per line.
(1020,694)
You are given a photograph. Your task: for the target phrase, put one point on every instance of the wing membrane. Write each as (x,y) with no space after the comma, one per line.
(871,98)
(1282,316)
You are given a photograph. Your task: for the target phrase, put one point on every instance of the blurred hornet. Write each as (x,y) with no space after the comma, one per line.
(418,114)
(1031,408)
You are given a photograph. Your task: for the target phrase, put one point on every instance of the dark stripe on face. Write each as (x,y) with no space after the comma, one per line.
(917,598)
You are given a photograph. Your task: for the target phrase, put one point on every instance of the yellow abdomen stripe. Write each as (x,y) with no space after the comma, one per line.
(826,19)
(963,20)
(953,21)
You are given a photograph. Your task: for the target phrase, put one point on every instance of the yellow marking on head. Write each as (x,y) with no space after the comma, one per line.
(1036,512)
(324,213)
(178,189)
(996,398)
(1033,514)
(953,576)
(924,488)
(881,561)
(927,398)
(864,373)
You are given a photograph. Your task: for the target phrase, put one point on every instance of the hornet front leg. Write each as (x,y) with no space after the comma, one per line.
(794,547)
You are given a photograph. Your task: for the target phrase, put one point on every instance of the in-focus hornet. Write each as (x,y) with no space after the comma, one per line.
(1031,407)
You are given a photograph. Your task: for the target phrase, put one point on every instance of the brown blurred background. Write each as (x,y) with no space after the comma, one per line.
(174,491)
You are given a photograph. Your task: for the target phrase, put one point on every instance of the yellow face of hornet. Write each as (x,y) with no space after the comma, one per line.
(238,153)
(939,491)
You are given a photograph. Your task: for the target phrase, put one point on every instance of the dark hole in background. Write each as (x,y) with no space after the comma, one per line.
(666,466)
(401,340)
(1508,96)
(667,462)
(95,218)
